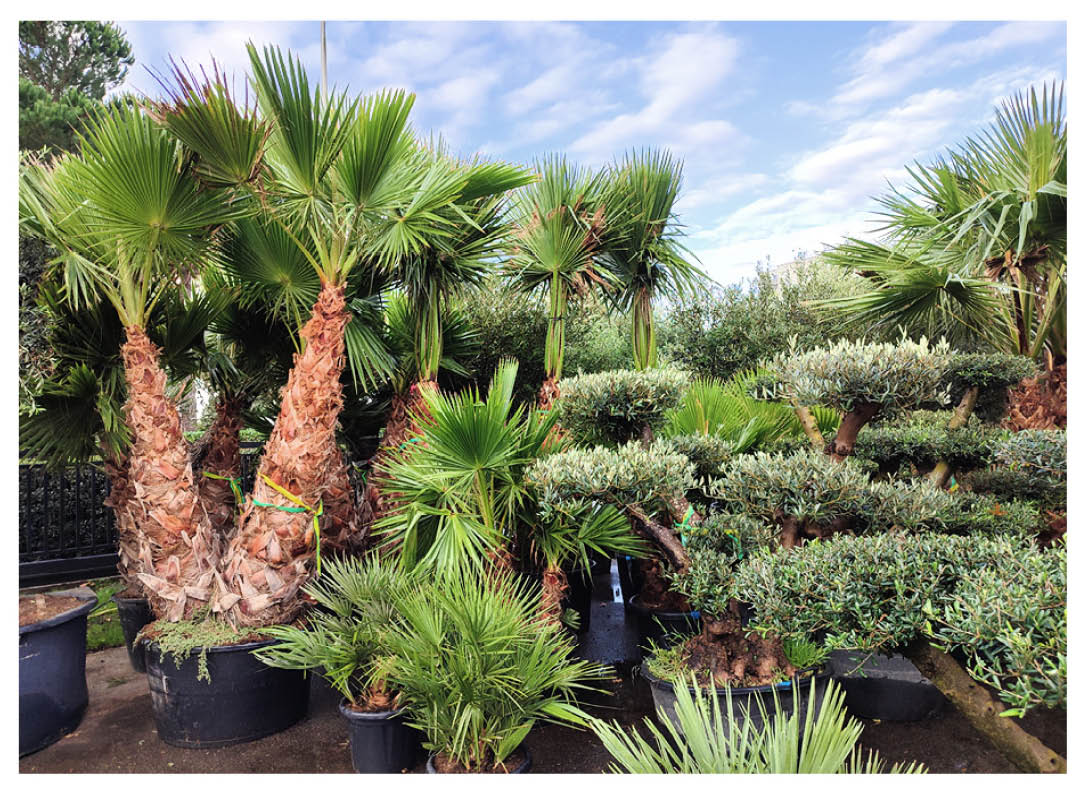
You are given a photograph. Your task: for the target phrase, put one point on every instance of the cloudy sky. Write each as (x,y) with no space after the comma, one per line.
(786,128)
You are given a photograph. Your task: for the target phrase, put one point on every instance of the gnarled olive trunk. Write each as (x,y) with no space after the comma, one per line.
(982,710)
(176,553)
(216,458)
(941,472)
(853,421)
(274,550)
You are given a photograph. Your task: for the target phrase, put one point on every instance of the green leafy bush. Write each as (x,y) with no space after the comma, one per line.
(715,547)
(846,374)
(621,405)
(1038,453)
(922,438)
(993,373)
(729,329)
(1010,622)
(707,454)
(1009,484)
(631,474)
(700,745)
(477,669)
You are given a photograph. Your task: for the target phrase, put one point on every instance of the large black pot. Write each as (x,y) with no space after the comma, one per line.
(879,687)
(134,613)
(244,699)
(663,627)
(520,769)
(52,674)
(629,578)
(380,742)
(756,703)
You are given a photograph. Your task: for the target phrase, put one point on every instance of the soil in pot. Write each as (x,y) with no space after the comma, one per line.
(517,763)
(243,699)
(134,613)
(52,666)
(379,741)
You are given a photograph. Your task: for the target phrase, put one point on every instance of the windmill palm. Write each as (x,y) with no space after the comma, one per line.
(343,181)
(129,219)
(643,249)
(559,224)
(975,249)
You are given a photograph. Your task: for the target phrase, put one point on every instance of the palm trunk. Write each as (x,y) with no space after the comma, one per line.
(220,456)
(401,430)
(344,529)
(176,553)
(941,472)
(644,333)
(274,550)
(554,346)
(117,469)
(982,710)
(552,589)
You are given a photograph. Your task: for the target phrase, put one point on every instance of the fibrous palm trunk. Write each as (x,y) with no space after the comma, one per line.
(346,523)
(274,550)
(401,430)
(219,457)
(176,552)
(116,469)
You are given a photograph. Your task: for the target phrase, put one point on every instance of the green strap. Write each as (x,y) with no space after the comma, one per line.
(413,440)
(684,525)
(234,484)
(299,508)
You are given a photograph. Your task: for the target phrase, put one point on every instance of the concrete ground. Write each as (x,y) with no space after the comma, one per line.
(118,734)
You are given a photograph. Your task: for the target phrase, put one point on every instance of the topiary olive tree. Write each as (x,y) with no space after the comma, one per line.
(862,380)
(620,405)
(1000,602)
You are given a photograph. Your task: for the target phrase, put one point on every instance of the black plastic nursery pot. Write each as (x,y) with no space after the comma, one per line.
(885,688)
(756,703)
(520,769)
(661,626)
(629,578)
(579,596)
(244,699)
(380,741)
(52,674)
(134,613)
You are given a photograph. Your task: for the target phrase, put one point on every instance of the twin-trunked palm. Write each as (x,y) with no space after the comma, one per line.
(340,179)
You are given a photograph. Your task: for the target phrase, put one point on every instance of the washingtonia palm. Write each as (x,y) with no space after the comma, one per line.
(643,248)
(129,218)
(559,223)
(345,182)
(976,247)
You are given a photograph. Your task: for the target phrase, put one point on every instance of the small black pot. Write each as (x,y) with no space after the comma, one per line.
(244,699)
(52,674)
(381,743)
(520,769)
(134,614)
(662,626)
(756,703)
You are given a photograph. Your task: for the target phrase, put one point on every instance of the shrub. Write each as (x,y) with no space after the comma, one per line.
(621,405)
(1009,484)
(633,474)
(707,454)
(477,669)
(1010,622)
(717,334)
(715,548)
(1038,453)
(993,373)
(922,438)
(846,374)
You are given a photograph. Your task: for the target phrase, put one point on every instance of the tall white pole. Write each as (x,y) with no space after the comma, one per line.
(324,89)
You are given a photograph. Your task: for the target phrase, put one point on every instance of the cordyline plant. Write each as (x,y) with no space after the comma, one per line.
(347,184)
(559,227)
(861,380)
(1000,602)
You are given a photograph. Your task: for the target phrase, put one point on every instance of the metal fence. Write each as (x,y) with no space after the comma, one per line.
(66,533)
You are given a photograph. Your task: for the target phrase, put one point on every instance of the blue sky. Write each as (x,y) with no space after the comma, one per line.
(786,128)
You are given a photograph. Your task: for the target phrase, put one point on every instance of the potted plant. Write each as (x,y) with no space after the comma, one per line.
(52,665)
(477,667)
(998,601)
(343,639)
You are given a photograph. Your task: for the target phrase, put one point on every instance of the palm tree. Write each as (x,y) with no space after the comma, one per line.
(644,248)
(558,229)
(347,185)
(129,217)
(975,250)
